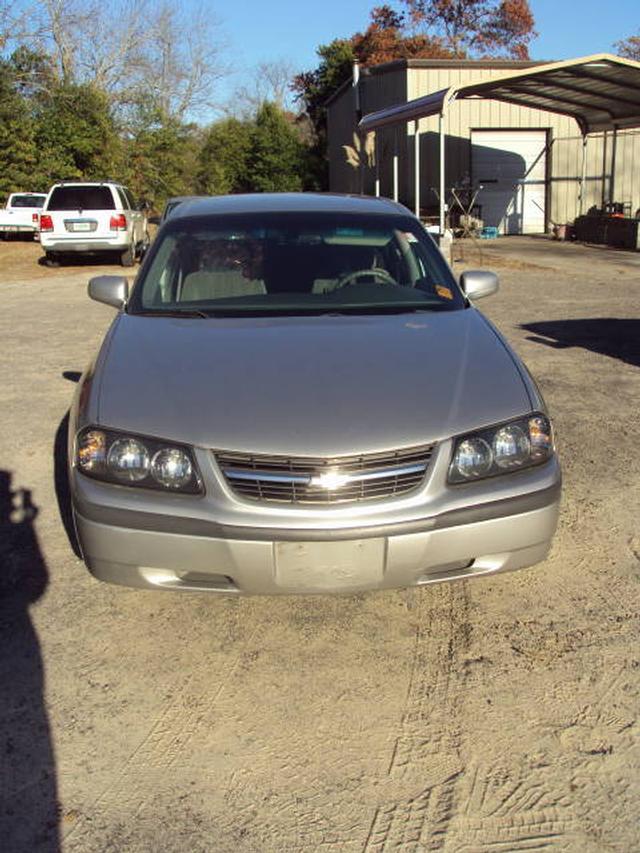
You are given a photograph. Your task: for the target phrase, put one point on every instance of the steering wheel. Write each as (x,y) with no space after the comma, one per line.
(352,277)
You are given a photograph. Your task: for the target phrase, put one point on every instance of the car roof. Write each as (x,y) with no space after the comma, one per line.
(86,184)
(183,198)
(287,203)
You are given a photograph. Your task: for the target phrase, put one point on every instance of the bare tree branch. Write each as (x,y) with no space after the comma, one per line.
(270,81)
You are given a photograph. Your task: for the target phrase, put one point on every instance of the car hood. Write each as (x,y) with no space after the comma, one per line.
(319,385)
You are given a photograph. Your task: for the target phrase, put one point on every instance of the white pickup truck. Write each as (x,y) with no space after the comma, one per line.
(20,215)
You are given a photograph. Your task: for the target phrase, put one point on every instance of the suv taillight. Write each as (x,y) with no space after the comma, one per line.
(118,223)
(46,222)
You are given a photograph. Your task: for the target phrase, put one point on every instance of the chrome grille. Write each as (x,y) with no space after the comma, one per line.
(303,479)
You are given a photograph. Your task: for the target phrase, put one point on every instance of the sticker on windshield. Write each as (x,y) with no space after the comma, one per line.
(443,291)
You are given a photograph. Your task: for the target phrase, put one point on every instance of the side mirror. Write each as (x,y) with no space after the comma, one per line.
(111,289)
(478,283)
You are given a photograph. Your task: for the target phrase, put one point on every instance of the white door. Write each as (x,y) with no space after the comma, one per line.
(511,167)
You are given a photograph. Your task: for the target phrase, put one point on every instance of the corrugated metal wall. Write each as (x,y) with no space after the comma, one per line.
(564,155)
(376,92)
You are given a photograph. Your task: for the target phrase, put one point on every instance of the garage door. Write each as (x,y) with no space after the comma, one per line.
(511,166)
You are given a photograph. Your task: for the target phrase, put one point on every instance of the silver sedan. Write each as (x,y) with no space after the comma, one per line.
(296,396)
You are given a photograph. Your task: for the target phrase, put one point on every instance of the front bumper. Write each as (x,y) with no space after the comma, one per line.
(496,537)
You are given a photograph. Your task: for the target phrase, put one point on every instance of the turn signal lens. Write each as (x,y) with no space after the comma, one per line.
(92,451)
(541,437)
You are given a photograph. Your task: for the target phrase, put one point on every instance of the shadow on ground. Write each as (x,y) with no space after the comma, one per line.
(61,477)
(81,260)
(617,338)
(28,790)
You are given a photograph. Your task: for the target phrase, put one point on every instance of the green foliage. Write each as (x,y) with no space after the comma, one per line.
(18,152)
(224,157)
(276,159)
(265,155)
(161,161)
(313,88)
(76,134)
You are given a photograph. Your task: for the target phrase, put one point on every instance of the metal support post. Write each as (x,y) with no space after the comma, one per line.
(583,175)
(614,151)
(441,129)
(395,163)
(416,166)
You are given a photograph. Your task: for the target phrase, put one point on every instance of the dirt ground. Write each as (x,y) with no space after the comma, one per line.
(490,715)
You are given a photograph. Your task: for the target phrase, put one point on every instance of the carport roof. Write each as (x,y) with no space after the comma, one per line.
(602,92)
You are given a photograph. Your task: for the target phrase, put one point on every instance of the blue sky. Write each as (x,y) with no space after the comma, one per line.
(292,29)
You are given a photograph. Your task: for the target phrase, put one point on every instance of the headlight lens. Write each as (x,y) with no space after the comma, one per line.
(133,460)
(511,447)
(128,460)
(473,458)
(172,467)
(503,448)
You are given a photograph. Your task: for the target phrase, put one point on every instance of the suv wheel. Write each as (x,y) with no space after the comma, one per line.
(52,260)
(128,257)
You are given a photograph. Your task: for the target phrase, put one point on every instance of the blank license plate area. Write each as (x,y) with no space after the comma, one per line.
(85,225)
(330,565)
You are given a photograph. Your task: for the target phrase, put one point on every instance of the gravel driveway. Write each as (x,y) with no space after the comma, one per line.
(490,715)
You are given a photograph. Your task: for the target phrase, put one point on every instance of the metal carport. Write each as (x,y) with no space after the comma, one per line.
(601,92)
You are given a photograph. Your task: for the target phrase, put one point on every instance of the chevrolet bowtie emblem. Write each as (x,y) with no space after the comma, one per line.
(330,480)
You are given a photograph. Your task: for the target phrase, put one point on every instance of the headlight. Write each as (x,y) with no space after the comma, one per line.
(500,449)
(133,460)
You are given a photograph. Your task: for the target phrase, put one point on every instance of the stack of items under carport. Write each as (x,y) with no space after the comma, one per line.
(609,226)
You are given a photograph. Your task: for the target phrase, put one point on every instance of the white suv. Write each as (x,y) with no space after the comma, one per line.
(92,217)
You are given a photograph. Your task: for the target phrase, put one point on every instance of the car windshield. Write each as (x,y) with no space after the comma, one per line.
(27,200)
(81,198)
(294,263)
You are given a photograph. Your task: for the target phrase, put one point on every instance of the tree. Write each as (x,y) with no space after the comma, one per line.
(18,150)
(313,88)
(270,81)
(477,27)
(223,158)
(132,48)
(276,160)
(180,61)
(386,39)
(76,135)
(161,155)
(629,47)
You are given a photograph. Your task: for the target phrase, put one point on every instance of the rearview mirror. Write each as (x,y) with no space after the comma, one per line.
(111,289)
(478,283)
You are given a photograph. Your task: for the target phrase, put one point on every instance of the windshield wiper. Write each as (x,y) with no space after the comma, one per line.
(191,312)
(382,309)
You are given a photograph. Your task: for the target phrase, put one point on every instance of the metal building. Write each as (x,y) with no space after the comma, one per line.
(527,164)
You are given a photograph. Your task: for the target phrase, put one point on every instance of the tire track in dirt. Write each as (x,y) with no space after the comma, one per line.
(427,747)
(169,734)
